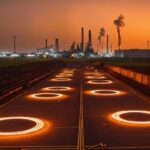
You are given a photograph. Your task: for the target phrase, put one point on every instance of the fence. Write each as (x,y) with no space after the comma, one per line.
(139,77)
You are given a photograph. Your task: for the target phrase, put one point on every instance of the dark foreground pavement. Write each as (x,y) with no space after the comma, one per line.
(61,115)
(103,132)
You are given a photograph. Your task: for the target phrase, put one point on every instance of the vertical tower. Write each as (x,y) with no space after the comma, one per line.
(82,39)
(14,37)
(45,45)
(57,44)
(89,48)
(107,44)
(90,40)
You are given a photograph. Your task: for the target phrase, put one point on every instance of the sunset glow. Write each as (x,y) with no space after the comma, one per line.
(34,20)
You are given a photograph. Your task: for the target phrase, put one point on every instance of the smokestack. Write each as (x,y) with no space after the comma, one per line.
(45,45)
(90,37)
(14,37)
(57,44)
(82,39)
(90,40)
(107,44)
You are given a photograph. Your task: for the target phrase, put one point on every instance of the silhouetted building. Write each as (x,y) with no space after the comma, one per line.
(132,53)
(73,47)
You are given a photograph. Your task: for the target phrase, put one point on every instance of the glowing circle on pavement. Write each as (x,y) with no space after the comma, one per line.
(95,77)
(106,92)
(100,82)
(56,88)
(61,79)
(117,116)
(46,96)
(39,124)
(62,75)
(94,74)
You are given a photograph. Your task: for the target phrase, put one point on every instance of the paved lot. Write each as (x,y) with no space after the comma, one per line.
(61,115)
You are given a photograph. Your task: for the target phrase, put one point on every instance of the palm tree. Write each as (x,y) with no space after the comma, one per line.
(101,35)
(119,23)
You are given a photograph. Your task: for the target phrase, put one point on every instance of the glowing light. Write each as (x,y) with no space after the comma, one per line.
(117,117)
(61,79)
(39,124)
(106,92)
(46,96)
(100,82)
(56,88)
(93,73)
(95,77)
(62,75)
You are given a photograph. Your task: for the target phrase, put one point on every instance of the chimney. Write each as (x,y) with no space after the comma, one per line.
(82,39)
(57,44)
(107,44)
(45,45)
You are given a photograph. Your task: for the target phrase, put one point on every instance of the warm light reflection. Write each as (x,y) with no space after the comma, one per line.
(46,96)
(105,92)
(61,79)
(94,73)
(95,77)
(39,124)
(57,88)
(62,75)
(117,116)
(100,82)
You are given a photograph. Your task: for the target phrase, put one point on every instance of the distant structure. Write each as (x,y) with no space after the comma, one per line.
(57,44)
(107,44)
(73,47)
(133,53)
(89,48)
(14,38)
(82,39)
(46,45)
(148,44)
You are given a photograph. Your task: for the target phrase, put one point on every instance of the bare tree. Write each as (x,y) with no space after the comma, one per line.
(119,23)
(101,35)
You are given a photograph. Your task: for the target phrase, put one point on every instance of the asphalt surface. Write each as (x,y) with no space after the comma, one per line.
(61,116)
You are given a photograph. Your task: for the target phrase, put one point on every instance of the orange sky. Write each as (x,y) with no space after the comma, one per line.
(34,20)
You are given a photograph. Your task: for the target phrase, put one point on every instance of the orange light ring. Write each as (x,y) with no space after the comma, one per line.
(57,88)
(94,73)
(37,96)
(117,116)
(65,72)
(95,77)
(39,125)
(100,82)
(61,79)
(63,76)
(114,92)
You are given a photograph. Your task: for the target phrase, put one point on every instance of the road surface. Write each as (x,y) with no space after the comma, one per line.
(74,116)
